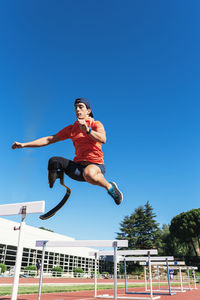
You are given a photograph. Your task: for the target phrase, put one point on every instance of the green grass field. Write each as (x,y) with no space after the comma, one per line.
(33,289)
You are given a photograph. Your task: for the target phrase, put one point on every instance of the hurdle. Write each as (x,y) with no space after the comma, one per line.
(120,256)
(22,209)
(178,265)
(82,243)
(125,252)
(148,261)
(194,277)
(183,289)
(165,264)
(188,268)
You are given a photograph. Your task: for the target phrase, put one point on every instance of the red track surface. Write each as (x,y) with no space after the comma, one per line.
(7,280)
(88,295)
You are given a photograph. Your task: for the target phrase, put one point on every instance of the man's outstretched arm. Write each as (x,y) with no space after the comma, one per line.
(44,141)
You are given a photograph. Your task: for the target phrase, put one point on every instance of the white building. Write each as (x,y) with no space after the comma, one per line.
(67,258)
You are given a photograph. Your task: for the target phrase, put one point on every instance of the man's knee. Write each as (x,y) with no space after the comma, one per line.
(54,163)
(90,173)
(58,163)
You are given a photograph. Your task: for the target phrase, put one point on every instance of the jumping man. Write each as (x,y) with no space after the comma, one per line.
(88,136)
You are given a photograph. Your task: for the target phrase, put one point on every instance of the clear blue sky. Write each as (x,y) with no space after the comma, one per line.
(138,63)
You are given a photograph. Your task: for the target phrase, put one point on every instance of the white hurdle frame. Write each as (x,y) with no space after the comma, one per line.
(22,209)
(149,260)
(120,256)
(183,288)
(84,243)
(166,265)
(178,265)
(125,252)
(194,277)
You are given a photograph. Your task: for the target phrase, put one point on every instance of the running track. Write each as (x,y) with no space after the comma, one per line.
(88,295)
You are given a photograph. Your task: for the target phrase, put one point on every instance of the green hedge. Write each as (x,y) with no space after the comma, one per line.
(57,271)
(77,271)
(29,269)
(3,268)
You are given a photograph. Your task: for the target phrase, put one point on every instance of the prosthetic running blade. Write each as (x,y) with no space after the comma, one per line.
(54,210)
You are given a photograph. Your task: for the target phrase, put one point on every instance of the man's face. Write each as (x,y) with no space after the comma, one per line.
(82,111)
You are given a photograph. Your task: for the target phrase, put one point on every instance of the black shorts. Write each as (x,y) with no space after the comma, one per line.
(73,169)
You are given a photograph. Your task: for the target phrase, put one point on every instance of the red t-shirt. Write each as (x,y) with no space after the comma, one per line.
(86,149)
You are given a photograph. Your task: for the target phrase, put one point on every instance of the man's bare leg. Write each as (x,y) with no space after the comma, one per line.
(93,175)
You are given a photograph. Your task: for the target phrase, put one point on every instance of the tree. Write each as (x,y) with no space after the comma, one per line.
(186,227)
(172,246)
(140,229)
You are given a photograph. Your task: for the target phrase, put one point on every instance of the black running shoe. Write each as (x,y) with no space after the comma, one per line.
(53,175)
(115,193)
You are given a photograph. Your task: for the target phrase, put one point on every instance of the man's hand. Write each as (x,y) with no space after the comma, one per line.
(83,125)
(17,145)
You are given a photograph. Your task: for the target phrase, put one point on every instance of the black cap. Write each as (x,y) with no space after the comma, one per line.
(84,101)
